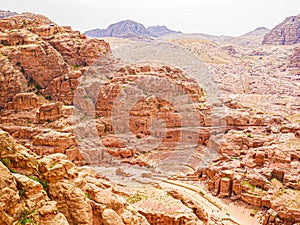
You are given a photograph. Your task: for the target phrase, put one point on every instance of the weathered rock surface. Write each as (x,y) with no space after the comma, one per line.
(10,199)
(77,195)
(285,33)
(24,101)
(23,199)
(147,109)
(40,67)
(295,61)
(48,56)
(41,64)
(12,81)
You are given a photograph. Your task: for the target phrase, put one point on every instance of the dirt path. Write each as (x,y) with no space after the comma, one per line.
(228,213)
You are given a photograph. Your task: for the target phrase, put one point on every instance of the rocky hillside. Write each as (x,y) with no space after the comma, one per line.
(52,190)
(285,33)
(129,29)
(41,66)
(258,76)
(47,178)
(54,56)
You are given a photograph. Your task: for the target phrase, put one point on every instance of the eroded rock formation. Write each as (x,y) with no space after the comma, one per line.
(78,196)
(47,56)
(285,33)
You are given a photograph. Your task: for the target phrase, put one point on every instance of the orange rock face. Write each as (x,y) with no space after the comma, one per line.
(23,101)
(49,112)
(146,110)
(12,81)
(41,67)
(49,56)
(41,62)
(78,196)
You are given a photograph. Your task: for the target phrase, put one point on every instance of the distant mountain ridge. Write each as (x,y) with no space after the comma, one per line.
(136,31)
(130,28)
(258,31)
(4,14)
(251,38)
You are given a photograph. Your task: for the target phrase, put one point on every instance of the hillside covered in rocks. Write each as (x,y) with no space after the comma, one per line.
(48,179)
(285,33)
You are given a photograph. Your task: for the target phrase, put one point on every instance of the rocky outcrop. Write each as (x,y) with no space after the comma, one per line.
(38,55)
(24,21)
(286,33)
(189,202)
(49,112)
(78,50)
(78,196)
(10,200)
(24,101)
(40,67)
(12,81)
(259,176)
(119,143)
(23,197)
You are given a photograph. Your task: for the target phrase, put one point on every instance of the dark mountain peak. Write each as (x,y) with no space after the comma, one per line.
(120,29)
(129,28)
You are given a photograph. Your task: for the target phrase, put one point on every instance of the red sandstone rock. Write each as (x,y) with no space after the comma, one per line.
(12,81)
(24,101)
(49,113)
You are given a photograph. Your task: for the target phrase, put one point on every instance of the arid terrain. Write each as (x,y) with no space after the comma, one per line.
(200,129)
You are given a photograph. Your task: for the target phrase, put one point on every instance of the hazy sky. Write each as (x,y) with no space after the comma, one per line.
(229,17)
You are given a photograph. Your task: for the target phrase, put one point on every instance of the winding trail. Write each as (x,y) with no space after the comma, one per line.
(228,213)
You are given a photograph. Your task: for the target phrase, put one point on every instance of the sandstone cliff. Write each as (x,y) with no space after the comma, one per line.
(52,190)
(36,54)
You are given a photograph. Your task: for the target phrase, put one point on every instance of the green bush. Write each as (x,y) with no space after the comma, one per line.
(88,196)
(134,198)
(25,218)
(42,182)
(7,163)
